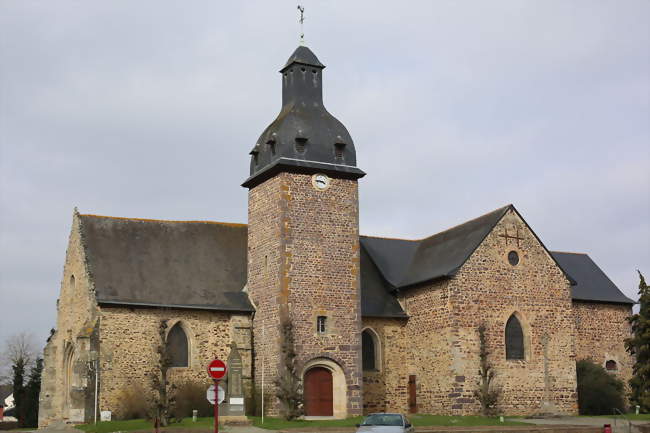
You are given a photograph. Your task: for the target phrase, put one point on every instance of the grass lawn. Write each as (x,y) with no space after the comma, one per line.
(141,424)
(425,420)
(278,423)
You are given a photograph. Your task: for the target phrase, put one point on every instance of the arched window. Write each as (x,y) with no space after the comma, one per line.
(369,350)
(514,339)
(177,347)
(611,365)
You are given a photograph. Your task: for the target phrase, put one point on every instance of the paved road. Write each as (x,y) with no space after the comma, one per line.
(619,425)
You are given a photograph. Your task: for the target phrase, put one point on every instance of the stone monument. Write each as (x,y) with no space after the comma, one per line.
(234,408)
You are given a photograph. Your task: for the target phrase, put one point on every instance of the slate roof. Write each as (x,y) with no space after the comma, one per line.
(405,263)
(202,265)
(304,56)
(591,282)
(304,137)
(376,297)
(167,263)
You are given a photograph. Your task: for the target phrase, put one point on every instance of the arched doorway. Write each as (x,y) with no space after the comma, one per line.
(319,392)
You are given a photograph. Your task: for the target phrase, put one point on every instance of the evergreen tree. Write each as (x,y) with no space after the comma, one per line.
(598,391)
(639,346)
(32,391)
(19,389)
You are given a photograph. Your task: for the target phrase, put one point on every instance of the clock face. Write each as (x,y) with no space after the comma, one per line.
(320,181)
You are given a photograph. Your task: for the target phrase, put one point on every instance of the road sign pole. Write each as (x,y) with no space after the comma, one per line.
(216,370)
(216,407)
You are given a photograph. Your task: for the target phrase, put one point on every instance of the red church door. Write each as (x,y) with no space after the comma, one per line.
(318,392)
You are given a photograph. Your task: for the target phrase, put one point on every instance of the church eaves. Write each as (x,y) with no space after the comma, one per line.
(305,137)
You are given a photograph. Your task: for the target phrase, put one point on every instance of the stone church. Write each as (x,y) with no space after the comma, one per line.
(379,324)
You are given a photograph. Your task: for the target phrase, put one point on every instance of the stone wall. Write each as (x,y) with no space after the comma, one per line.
(128,339)
(304,255)
(67,385)
(420,347)
(265,264)
(439,343)
(601,330)
(488,289)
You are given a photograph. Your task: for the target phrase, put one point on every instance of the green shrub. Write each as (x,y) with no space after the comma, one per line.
(599,392)
(190,396)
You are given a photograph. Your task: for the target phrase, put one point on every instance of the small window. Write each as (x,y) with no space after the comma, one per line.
(300,144)
(72,282)
(368,351)
(514,339)
(177,347)
(611,365)
(513,258)
(338,149)
(271,145)
(321,324)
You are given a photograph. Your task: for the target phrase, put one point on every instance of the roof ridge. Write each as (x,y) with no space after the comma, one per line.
(570,252)
(468,221)
(443,231)
(389,238)
(165,221)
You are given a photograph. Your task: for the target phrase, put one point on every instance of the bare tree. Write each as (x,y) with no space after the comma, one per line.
(17,347)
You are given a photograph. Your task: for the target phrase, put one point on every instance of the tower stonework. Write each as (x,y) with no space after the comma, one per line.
(303,247)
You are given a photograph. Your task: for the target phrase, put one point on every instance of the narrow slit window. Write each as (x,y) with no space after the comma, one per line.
(321,324)
(368,351)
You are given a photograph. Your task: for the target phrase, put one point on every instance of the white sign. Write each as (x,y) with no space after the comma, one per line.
(105,415)
(210,394)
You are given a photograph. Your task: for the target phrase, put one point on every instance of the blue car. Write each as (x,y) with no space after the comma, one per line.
(385,423)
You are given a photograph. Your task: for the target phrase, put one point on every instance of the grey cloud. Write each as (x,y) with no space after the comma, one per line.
(149,109)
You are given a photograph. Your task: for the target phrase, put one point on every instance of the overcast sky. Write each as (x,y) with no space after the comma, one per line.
(149,108)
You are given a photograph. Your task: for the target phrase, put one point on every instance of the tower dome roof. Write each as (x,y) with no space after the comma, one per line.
(304,137)
(304,56)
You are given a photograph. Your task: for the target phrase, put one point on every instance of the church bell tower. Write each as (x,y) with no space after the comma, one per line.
(303,246)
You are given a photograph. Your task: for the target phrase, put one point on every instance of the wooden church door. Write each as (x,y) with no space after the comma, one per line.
(319,392)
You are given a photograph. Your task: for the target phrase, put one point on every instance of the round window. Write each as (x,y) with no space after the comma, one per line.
(513,258)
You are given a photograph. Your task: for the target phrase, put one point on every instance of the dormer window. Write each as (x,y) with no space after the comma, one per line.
(271,145)
(301,141)
(339,147)
(254,154)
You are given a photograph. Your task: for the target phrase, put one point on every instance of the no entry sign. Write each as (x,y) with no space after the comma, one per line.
(217,369)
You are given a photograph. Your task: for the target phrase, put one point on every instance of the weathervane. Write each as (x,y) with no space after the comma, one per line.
(301,21)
